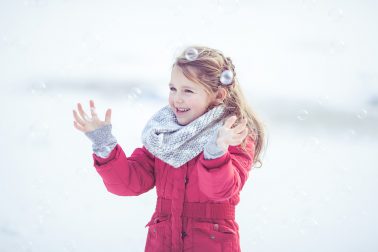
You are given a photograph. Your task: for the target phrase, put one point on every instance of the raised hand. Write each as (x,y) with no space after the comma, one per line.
(232,136)
(84,123)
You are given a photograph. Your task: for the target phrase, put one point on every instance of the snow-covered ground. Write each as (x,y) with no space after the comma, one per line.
(309,69)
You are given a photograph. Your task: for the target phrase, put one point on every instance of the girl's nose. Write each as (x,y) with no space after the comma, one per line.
(178,99)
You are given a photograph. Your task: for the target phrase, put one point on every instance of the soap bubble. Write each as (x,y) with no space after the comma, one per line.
(349,134)
(303,114)
(227,77)
(27,246)
(336,14)
(70,245)
(309,4)
(307,224)
(322,100)
(336,47)
(38,183)
(191,54)
(38,133)
(311,144)
(362,114)
(228,7)
(91,41)
(35,3)
(137,90)
(38,88)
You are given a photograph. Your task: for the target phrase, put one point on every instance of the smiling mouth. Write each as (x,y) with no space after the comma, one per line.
(182,110)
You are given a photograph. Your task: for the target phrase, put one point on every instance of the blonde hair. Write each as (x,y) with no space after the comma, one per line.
(205,69)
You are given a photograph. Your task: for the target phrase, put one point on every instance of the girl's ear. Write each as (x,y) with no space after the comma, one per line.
(221,95)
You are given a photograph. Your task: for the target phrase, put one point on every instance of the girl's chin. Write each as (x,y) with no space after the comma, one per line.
(182,123)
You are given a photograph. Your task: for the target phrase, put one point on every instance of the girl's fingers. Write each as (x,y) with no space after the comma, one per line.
(82,113)
(240,127)
(242,133)
(230,121)
(93,108)
(108,116)
(78,118)
(78,126)
(238,138)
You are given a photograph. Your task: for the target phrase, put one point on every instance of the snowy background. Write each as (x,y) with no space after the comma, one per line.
(308,68)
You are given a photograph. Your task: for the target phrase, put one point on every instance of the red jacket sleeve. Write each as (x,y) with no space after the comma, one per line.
(223,177)
(126,176)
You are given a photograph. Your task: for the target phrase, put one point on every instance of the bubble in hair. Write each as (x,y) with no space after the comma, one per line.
(191,54)
(226,77)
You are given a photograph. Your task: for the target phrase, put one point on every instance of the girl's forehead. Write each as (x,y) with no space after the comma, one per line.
(179,79)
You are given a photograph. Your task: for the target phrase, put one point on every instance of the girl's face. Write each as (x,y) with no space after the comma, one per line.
(187,99)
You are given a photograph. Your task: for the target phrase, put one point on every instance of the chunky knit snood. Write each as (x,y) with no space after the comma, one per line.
(176,144)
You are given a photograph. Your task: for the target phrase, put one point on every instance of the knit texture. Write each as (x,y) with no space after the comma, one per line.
(103,141)
(176,144)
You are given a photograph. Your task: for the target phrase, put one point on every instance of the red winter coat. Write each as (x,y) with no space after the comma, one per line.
(195,208)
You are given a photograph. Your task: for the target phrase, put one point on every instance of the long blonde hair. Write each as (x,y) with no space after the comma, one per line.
(205,69)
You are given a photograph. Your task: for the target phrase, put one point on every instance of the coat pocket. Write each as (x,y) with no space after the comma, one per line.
(214,237)
(158,234)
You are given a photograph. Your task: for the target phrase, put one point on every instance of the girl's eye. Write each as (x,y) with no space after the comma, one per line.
(172,89)
(188,91)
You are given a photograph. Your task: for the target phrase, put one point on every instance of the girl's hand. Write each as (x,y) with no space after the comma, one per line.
(232,136)
(84,123)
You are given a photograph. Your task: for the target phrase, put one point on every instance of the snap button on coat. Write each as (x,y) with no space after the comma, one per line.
(183,234)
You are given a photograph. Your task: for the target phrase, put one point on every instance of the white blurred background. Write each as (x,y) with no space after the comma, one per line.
(308,68)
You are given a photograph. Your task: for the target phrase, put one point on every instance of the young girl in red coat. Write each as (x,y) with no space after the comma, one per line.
(197,151)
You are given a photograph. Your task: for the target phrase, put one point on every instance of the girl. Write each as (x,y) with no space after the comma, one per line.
(197,151)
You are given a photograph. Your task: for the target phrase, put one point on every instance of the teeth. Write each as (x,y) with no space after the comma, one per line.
(182,110)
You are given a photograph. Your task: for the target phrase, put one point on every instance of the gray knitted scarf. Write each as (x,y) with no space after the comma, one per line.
(176,144)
